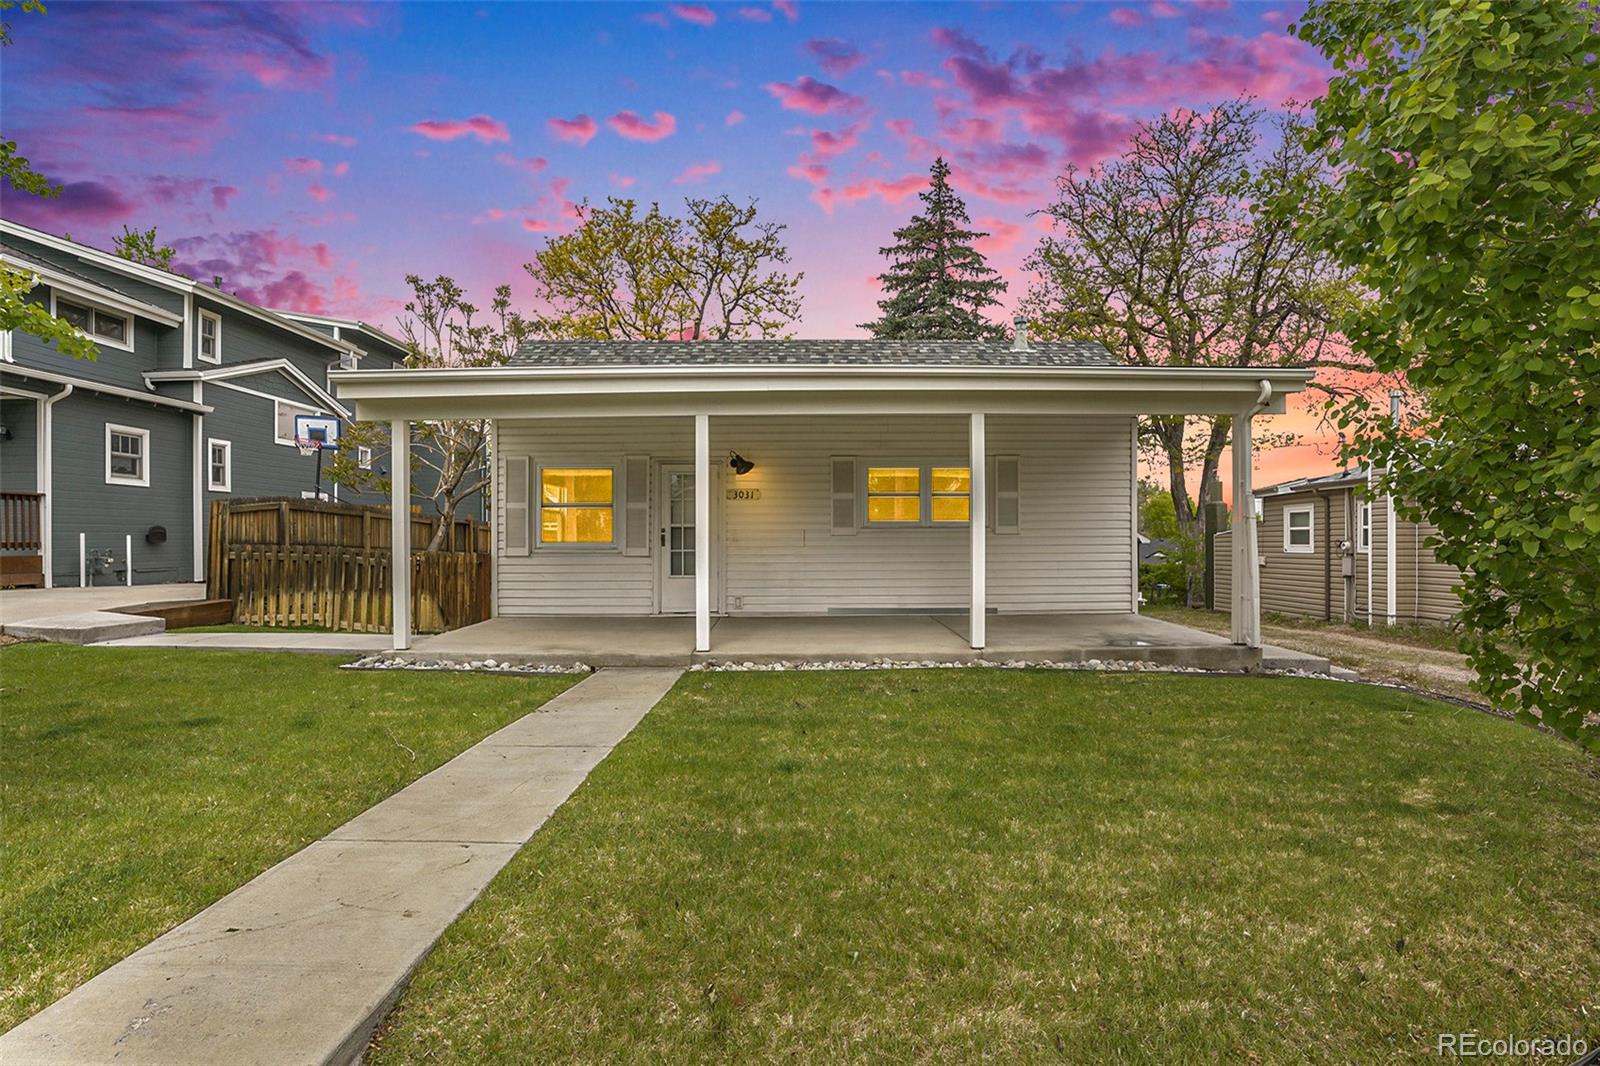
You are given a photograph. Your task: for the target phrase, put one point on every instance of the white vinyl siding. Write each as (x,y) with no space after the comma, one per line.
(775,552)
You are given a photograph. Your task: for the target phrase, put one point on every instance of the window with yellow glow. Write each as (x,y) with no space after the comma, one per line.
(951,487)
(894,494)
(918,495)
(576,506)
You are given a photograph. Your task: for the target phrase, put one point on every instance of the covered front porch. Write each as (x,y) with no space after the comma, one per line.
(670,640)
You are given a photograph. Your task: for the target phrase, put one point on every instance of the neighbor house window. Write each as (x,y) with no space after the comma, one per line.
(1297,529)
(98,324)
(576,505)
(127,455)
(907,495)
(220,465)
(363,457)
(286,414)
(1365,541)
(210,337)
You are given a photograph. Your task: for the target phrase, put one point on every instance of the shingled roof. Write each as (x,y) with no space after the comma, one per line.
(810,353)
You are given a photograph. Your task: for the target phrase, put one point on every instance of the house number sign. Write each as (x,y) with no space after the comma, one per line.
(744,494)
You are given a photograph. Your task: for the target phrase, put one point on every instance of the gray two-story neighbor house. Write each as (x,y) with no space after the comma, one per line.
(193,398)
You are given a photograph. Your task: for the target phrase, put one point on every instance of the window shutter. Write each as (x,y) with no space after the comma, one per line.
(844,494)
(636,505)
(515,494)
(1007,494)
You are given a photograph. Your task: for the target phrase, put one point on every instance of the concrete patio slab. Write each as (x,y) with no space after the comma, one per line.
(598,641)
(552,640)
(20,605)
(301,964)
(839,637)
(85,627)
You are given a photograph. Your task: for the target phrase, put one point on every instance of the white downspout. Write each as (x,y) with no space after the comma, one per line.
(47,514)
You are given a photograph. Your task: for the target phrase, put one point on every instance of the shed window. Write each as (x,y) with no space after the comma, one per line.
(96,322)
(577,505)
(1365,541)
(1298,529)
(127,461)
(920,495)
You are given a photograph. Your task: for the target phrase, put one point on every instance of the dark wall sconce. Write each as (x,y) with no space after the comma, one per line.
(740,465)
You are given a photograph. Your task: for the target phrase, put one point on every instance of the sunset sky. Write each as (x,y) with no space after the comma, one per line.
(312,155)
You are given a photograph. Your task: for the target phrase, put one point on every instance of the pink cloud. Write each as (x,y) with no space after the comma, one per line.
(222,196)
(303,165)
(80,204)
(958,41)
(890,192)
(341,169)
(622,181)
(809,170)
(484,128)
(631,125)
(827,144)
(319,192)
(1125,16)
(814,97)
(834,56)
(537,225)
(1163,10)
(734,118)
(529,165)
(787,9)
(699,14)
(340,139)
(920,79)
(261,266)
(754,14)
(1003,235)
(697,172)
(580,130)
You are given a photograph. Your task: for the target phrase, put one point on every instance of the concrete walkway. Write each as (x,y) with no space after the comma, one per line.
(266,640)
(301,964)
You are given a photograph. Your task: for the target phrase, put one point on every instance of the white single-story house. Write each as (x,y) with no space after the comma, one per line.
(816,477)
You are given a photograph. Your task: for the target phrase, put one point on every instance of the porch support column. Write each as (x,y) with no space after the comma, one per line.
(702,532)
(1246,578)
(978,534)
(400,530)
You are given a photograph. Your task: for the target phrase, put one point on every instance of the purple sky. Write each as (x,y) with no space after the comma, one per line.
(312,155)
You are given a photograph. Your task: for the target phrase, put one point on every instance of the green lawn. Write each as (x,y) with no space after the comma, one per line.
(140,785)
(937,866)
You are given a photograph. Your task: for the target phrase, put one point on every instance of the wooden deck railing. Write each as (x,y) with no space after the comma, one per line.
(21,515)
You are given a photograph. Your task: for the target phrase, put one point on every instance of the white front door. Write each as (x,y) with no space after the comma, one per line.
(675,555)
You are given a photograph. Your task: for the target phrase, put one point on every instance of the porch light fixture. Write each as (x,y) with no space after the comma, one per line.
(740,465)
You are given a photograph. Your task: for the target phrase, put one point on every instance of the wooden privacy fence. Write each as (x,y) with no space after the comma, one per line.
(312,563)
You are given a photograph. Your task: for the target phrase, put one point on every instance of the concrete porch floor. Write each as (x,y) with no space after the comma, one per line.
(669,641)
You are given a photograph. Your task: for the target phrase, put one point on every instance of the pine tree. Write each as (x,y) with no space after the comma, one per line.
(937,283)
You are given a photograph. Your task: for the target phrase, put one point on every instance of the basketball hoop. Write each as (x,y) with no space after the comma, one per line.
(307,445)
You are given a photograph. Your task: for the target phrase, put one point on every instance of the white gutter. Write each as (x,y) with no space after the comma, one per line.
(1229,375)
(47,516)
(108,390)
